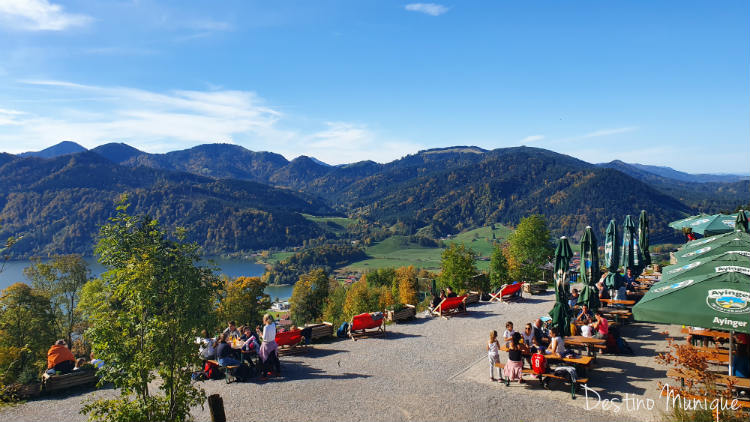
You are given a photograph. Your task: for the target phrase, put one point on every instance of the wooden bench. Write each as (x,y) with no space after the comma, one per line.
(618,302)
(589,343)
(228,377)
(320,331)
(544,379)
(472,297)
(720,379)
(85,377)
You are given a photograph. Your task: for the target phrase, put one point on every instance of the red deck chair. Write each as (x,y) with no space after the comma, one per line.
(290,342)
(363,322)
(508,292)
(450,305)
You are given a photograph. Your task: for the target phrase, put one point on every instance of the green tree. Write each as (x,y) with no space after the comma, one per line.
(498,268)
(360,298)
(529,248)
(154,299)
(458,266)
(309,297)
(243,299)
(62,279)
(26,330)
(334,309)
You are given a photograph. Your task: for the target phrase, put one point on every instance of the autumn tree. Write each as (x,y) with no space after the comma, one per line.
(243,299)
(458,266)
(61,279)
(150,304)
(359,299)
(407,285)
(530,248)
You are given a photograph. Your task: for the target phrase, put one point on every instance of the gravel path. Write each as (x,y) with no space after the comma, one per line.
(428,370)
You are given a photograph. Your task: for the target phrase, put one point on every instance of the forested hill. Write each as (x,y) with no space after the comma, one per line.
(58,204)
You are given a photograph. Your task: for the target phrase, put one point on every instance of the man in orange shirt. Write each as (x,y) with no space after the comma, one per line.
(60,358)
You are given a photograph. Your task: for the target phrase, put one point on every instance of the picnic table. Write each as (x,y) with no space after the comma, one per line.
(720,379)
(589,343)
(626,303)
(581,362)
(717,336)
(618,314)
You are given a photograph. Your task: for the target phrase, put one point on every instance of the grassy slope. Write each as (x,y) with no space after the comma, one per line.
(396,251)
(336,225)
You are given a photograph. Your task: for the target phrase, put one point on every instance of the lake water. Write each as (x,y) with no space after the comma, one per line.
(13,273)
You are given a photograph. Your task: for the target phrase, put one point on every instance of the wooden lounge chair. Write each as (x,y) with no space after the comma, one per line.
(290,343)
(450,306)
(363,322)
(508,293)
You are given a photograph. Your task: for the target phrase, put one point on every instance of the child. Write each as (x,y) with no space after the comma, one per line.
(493,353)
(538,362)
(508,333)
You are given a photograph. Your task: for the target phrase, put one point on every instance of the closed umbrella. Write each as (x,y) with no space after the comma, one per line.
(643,238)
(589,270)
(630,255)
(741,222)
(611,257)
(560,312)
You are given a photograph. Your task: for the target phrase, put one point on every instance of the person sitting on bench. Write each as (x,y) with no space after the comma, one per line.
(585,316)
(60,358)
(224,354)
(601,326)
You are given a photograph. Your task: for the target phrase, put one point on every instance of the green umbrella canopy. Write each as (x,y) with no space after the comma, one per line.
(725,262)
(643,237)
(718,301)
(737,246)
(710,225)
(630,255)
(741,222)
(589,270)
(685,222)
(611,250)
(715,240)
(560,312)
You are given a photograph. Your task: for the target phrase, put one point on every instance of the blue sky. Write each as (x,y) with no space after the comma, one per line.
(661,83)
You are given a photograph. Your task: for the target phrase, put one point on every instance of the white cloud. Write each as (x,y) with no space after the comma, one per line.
(38,15)
(160,122)
(607,132)
(532,138)
(432,9)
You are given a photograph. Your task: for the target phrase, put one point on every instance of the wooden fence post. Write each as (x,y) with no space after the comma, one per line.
(216,406)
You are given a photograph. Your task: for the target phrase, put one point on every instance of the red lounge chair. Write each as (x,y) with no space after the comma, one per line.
(451,305)
(363,322)
(290,342)
(508,292)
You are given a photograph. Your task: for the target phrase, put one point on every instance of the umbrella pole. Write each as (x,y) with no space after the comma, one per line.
(731,350)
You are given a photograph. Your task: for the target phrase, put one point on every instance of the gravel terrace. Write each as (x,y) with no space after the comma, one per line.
(429,369)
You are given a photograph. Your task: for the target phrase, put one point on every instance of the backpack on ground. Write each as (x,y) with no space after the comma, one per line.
(623,347)
(343,331)
(212,371)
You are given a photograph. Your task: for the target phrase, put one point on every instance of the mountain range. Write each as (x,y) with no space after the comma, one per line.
(234,199)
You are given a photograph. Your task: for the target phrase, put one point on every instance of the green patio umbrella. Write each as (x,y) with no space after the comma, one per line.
(741,222)
(736,246)
(589,270)
(643,238)
(560,312)
(711,225)
(685,222)
(630,255)
(719,239)
(726,262)
(613,281)
(718,301)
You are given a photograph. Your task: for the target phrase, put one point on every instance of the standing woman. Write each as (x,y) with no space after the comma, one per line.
(268,349)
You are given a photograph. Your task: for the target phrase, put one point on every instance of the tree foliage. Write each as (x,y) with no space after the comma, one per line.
(458,266)
(326,257)
(61,279)
(361,298)
(26,330)
(406,277)
(530,248)
(243,299)
(309,297)
(154,299)
(498,267)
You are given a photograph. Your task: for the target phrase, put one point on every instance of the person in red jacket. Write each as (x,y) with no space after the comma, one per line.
(60,358)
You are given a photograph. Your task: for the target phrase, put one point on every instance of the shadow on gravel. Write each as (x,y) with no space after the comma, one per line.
(71,392)
(394,335)
(305,372)
(320,353)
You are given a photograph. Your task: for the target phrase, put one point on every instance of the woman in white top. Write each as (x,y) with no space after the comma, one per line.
(267,352)
(493,353)
(528,335)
